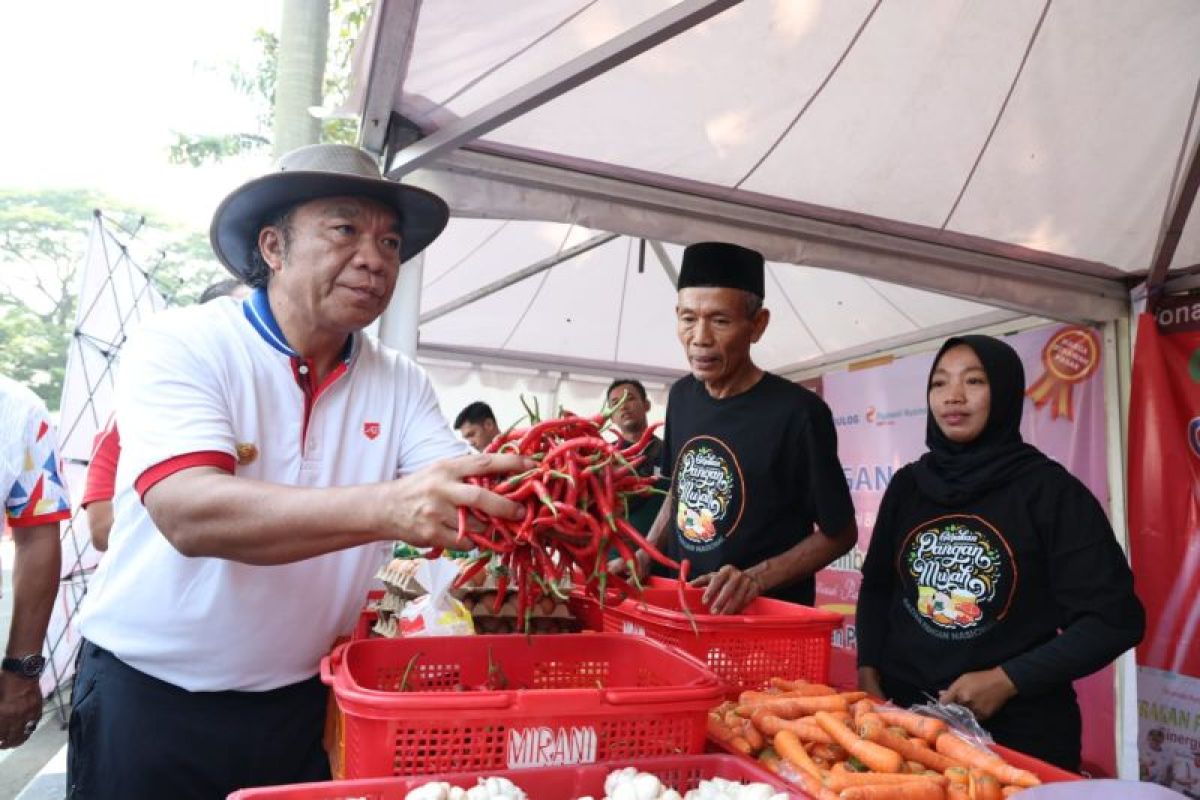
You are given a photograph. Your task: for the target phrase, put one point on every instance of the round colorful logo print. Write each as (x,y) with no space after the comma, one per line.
(708,492)
(959,575)
(1194,436)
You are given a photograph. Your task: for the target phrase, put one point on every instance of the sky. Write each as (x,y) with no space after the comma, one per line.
(92,91)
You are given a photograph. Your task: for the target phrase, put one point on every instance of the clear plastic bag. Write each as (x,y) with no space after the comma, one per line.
(437,613)
(960,719)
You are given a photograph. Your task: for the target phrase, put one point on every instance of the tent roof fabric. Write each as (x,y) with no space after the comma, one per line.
(1019,155)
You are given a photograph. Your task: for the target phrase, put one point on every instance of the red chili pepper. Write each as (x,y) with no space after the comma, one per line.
(684,567)
(470,572)
(632,533)
(501,591)
(642,443)
(543,495)
(535,434)
(579,442)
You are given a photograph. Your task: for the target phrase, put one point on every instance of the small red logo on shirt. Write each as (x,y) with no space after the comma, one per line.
(371,430)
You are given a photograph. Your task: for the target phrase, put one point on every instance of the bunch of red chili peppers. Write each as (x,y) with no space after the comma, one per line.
(575,504)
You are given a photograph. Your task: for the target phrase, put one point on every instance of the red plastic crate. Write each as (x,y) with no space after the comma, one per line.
(581,698)
(1047,772)
(546,783)
(770,638)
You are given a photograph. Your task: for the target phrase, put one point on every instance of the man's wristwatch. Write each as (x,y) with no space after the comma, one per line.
(30,666)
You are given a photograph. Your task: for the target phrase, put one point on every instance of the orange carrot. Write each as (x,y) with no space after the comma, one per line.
(718,730)
(792,707)
(873,756)
(951,746)
(958,791)
(769,759)
(869,725)
(752,735)
(863,706)
(984,787)
(914,767)
(852,697)
(811,689)
(844,780)
(814,787)
(908,748)
(957,775)
(750,698)
(792,751)
(807,730)
(740,744)
(915,791)
(832,753)
(927,728)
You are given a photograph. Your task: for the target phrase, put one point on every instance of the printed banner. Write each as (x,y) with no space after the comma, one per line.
(1169,729)
(880,417)
(1164,530)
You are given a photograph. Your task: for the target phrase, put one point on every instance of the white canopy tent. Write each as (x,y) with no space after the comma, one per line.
(910,170)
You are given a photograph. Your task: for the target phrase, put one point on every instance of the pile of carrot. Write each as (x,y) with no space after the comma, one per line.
(844,746)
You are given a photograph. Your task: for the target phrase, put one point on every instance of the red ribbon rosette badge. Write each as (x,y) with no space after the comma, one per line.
(1070,357)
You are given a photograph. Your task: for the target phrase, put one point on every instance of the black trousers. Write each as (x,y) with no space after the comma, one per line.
(133,736)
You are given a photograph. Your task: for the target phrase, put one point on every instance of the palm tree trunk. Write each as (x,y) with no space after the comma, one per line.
(303,41)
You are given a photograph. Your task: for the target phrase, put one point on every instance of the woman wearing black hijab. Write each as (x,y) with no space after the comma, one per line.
(993,578)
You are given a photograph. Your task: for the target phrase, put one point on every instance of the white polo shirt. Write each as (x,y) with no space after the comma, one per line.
(218,385)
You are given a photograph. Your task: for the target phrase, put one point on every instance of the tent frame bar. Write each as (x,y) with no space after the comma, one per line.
(635,209)
(395,32)
(597,61)
(664,258)
(1172,232)
(518,276)
(539,362)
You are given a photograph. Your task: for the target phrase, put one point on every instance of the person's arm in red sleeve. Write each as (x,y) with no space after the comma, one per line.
(101,483)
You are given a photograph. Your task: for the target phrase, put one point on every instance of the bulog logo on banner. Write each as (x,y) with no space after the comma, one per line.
(1070,357)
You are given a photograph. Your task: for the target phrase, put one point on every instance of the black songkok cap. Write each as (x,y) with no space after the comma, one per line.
(722,265)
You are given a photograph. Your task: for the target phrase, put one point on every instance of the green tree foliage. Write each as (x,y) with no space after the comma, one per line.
(256,79)
(43,239)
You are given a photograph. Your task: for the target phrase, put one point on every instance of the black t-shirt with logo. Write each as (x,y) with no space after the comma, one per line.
(948,591)
(750,474)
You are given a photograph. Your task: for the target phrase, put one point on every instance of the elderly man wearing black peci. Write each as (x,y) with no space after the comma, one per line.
(758,500)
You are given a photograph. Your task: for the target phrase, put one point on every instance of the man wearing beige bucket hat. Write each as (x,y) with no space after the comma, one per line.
(271,452)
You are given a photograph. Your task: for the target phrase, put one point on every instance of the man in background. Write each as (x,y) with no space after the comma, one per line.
(629,397)
(477,424)
(35,501)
